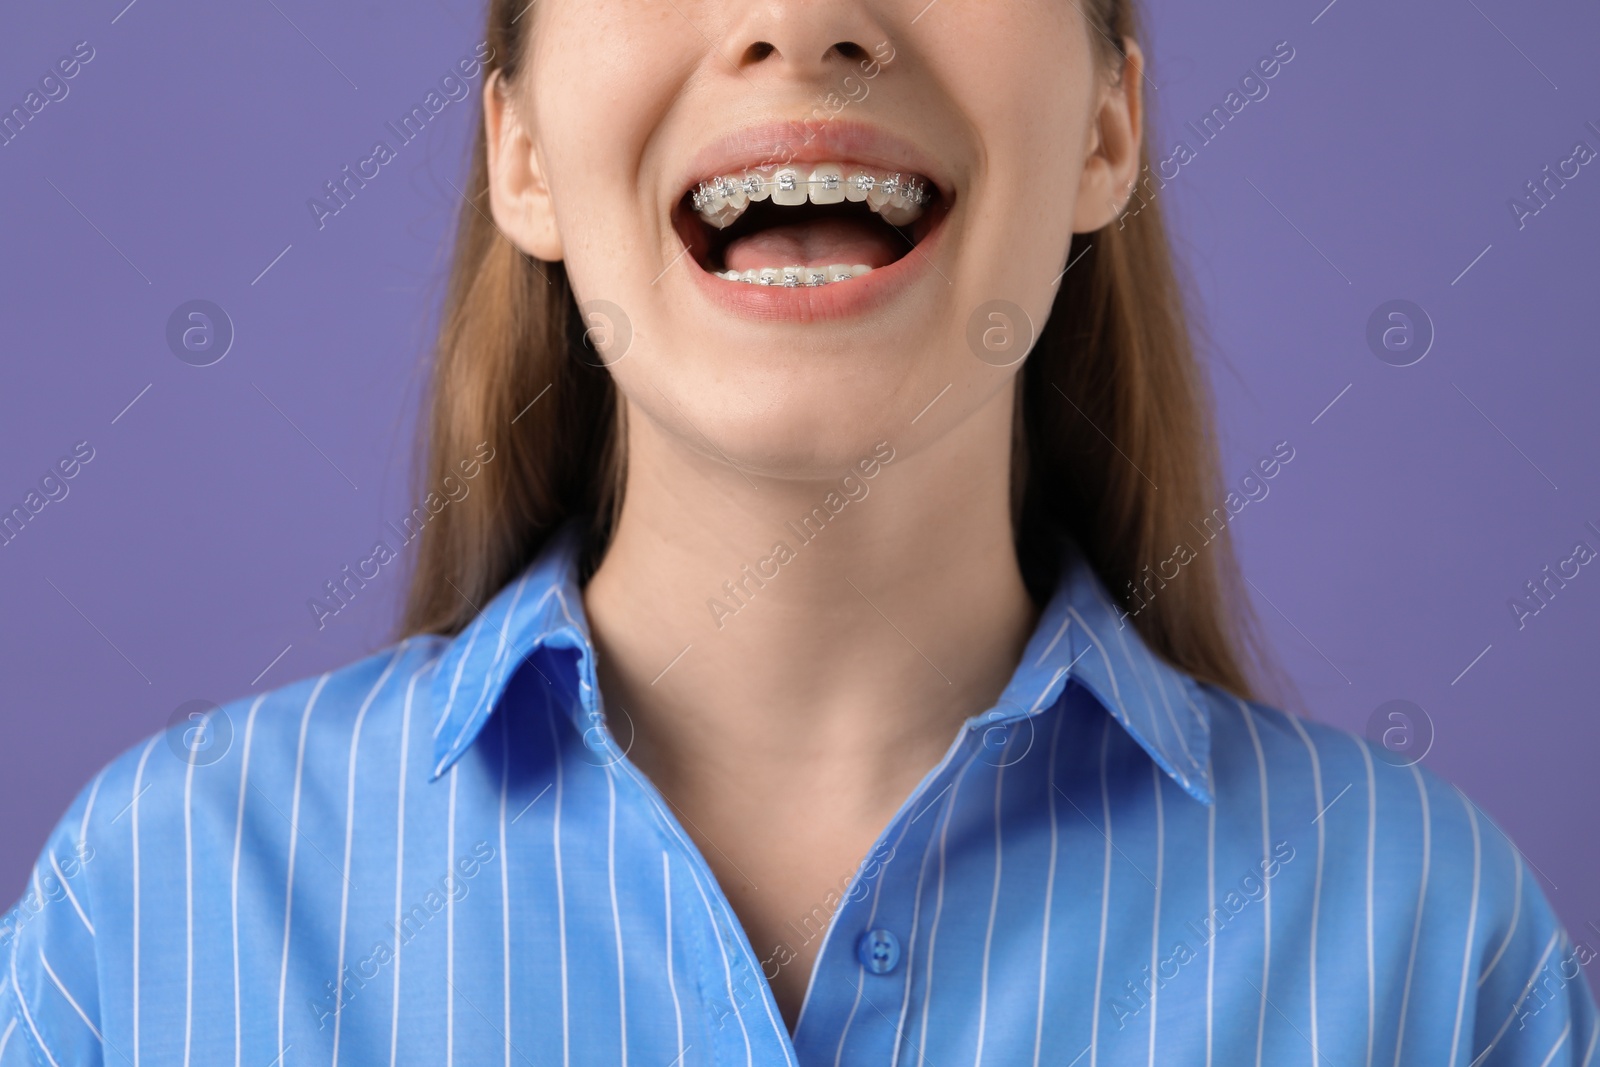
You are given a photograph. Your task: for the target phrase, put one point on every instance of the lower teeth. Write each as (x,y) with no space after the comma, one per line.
(793,277)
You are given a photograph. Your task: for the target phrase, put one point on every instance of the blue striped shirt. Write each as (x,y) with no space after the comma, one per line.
(440,855)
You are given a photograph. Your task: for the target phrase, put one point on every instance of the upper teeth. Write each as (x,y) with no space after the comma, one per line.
(897,198)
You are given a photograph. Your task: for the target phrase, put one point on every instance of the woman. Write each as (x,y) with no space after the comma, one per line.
(796,673)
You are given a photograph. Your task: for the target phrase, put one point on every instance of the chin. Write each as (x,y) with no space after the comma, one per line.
(815,434)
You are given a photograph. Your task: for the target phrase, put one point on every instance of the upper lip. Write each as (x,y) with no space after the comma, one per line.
(810,141)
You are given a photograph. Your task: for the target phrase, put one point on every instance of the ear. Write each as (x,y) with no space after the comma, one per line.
(1111,163)
(519,199)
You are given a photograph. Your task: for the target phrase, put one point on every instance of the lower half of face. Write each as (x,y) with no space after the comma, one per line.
(810,227)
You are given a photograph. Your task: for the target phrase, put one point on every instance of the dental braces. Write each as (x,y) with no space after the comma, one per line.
(912,190)
(796,277)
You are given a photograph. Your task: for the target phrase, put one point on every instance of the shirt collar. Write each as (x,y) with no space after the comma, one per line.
(1081,637)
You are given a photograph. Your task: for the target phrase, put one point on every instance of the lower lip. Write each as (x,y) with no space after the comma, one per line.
(824,303)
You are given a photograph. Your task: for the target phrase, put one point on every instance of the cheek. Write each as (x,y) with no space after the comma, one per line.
(1024,83)
(604,77)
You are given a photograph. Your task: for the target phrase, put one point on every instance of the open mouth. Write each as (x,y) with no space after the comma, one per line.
(806,225)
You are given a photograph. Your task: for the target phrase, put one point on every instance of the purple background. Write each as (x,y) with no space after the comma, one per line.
(1379,167)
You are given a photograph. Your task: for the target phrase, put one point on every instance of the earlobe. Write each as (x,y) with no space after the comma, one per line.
(1116,137)
(519,199)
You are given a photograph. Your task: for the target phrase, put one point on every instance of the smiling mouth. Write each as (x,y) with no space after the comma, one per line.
(806,225)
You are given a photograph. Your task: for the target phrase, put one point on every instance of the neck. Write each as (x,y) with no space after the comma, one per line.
(773,630)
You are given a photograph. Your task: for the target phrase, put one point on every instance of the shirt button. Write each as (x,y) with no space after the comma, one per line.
(879,951)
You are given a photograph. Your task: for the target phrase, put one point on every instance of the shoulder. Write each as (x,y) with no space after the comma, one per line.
(1394,854)
(1368,814)
(175,794)
(199,764)
(1346,781)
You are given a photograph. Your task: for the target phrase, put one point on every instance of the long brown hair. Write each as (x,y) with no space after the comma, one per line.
(1113,440)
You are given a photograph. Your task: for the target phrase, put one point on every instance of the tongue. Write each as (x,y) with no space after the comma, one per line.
(817,243)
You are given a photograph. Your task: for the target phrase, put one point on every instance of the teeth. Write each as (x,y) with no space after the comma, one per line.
(827,184)
(792,188)
(794,277)
(880,193)
(723,201)
(899,198)
(902,207)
